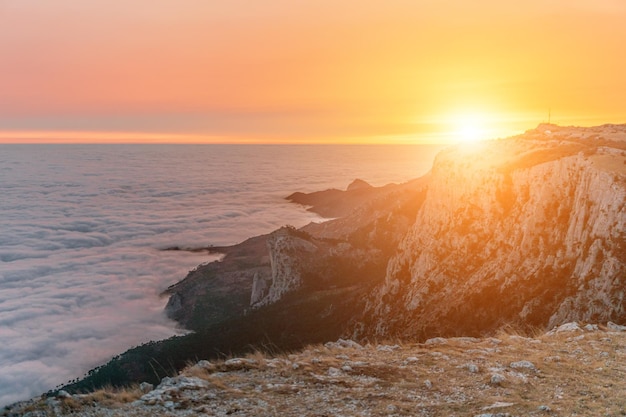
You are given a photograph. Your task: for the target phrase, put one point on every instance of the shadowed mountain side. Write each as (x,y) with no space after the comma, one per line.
(221,289)
(339,203)
(260,270)
(301,318)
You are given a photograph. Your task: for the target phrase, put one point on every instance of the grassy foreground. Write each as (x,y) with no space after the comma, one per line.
(576,371)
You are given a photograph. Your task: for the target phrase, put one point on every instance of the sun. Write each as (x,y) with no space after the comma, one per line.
(472,125)
(470,128)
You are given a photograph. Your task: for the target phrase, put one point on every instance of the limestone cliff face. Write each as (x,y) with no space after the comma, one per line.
(286,252)
(528,230)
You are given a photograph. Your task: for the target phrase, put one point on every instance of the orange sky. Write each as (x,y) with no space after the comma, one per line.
(402,71)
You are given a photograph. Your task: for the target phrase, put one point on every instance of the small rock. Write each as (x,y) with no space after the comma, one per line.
(412,359)
(184,382)
(524,365)
(334,372)
(544,408)
(467,340)
(239,363)
(615,327)
(387,348)
(428,384)
(152,398)
(204,364)
(472,368)
(498,404)
(436,341)
(63,394)
(276,362)
(439,355)
(166,381)
(343,344)
(497,379)
(357,364)
(52,402)
(591,327)
(146,387)
(567,327)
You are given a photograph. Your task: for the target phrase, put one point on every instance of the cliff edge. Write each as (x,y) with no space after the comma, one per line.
(525,231)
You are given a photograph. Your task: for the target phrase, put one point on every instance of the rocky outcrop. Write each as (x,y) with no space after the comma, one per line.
(221,289)
(338,203)
(359,184)
(289,253)
(529,231)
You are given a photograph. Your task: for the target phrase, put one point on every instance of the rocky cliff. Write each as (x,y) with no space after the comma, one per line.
(287,263)
(349,252)
(527,231)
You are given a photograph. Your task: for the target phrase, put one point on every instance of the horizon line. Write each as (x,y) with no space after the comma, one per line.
(140,138)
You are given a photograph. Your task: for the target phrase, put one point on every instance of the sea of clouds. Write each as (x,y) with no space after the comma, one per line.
(82,228)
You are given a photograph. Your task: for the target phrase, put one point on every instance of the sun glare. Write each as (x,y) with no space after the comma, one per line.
(470,128)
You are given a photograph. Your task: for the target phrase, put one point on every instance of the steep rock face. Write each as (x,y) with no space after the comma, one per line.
(528,230)
(286,252)
(330,254)
(219,290)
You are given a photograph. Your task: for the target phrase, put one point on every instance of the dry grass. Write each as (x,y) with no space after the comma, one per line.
(563,374)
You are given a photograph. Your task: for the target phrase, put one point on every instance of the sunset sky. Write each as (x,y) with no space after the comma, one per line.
(393,71)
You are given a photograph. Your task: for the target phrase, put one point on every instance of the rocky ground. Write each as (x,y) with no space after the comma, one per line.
(573,370)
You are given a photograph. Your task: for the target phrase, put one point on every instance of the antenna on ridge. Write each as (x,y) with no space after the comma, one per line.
(549,114)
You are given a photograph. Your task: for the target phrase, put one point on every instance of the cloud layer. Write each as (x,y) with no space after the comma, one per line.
(82,227)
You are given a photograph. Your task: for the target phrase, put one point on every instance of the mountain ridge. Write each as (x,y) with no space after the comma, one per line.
(529,231)
(526,231)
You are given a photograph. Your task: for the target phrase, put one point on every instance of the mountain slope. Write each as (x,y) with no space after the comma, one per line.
(527,231)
